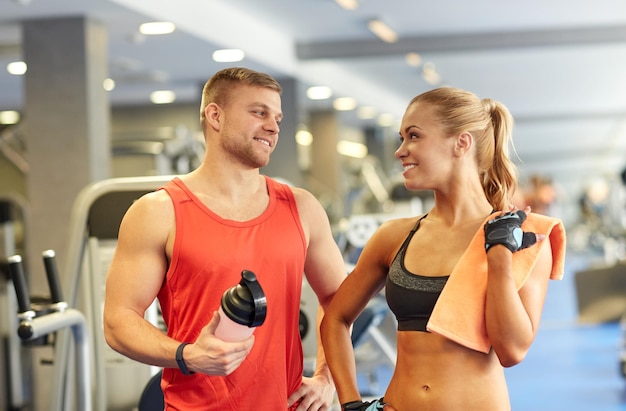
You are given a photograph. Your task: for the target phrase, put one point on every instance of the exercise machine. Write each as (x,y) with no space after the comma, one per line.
(374,331)
(34,325)
(95,220)
(14,364)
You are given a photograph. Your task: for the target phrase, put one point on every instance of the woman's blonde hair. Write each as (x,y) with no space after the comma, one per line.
(491,124)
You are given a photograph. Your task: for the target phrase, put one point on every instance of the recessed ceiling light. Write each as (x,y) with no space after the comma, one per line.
(429,67)
(9,117)
(413,59)
(228,55)
(431,78)
(344,104)
(17,68)
(385,120)
(304,137)
(382,31)
(108,84)
(366,112)
(162,97)
(157,27)
(348,4)
(351,149)
(429,74)
(319,92)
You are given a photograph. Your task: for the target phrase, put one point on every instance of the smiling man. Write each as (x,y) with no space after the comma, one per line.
(188,242)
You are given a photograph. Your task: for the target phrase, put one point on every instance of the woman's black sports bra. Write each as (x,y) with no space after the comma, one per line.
(411,297)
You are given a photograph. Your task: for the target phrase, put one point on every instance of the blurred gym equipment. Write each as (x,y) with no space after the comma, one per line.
(38,324)
(601,293)
(177,152)
(96,217)
(14,364)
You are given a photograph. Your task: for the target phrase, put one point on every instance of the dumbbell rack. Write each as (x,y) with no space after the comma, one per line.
(58,317)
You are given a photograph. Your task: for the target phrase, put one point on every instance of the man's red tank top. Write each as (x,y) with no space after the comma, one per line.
(208,257)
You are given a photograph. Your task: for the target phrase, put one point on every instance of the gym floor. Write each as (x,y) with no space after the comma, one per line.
(571,366)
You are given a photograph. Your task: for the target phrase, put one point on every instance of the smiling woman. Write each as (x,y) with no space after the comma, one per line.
(465,283)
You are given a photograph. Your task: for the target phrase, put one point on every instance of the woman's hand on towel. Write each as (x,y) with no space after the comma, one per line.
(506,229)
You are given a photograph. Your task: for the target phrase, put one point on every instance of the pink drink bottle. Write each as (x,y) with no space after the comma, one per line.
(243,307)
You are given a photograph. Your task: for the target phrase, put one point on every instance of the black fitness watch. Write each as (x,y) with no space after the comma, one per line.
(181,361)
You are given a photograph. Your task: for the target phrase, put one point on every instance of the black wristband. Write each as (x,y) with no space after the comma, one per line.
(181,361)
(355,405)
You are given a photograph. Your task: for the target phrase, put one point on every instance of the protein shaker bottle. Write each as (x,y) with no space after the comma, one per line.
(243,307)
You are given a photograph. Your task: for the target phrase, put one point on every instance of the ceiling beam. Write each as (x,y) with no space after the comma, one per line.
(585,155)
(542,117)
(462,42)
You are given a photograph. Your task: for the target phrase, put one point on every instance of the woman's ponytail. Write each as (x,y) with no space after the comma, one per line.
(500,179)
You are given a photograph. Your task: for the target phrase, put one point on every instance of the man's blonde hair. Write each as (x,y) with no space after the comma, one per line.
(216,89)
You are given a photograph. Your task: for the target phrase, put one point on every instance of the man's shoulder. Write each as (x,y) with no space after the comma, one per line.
(156,201)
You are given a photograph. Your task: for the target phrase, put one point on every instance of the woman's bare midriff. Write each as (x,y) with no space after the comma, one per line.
(433,373)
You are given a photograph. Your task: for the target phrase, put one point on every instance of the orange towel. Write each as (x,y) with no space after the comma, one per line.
(460,311)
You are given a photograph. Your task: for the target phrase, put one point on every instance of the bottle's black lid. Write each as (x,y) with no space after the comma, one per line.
(245,303)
